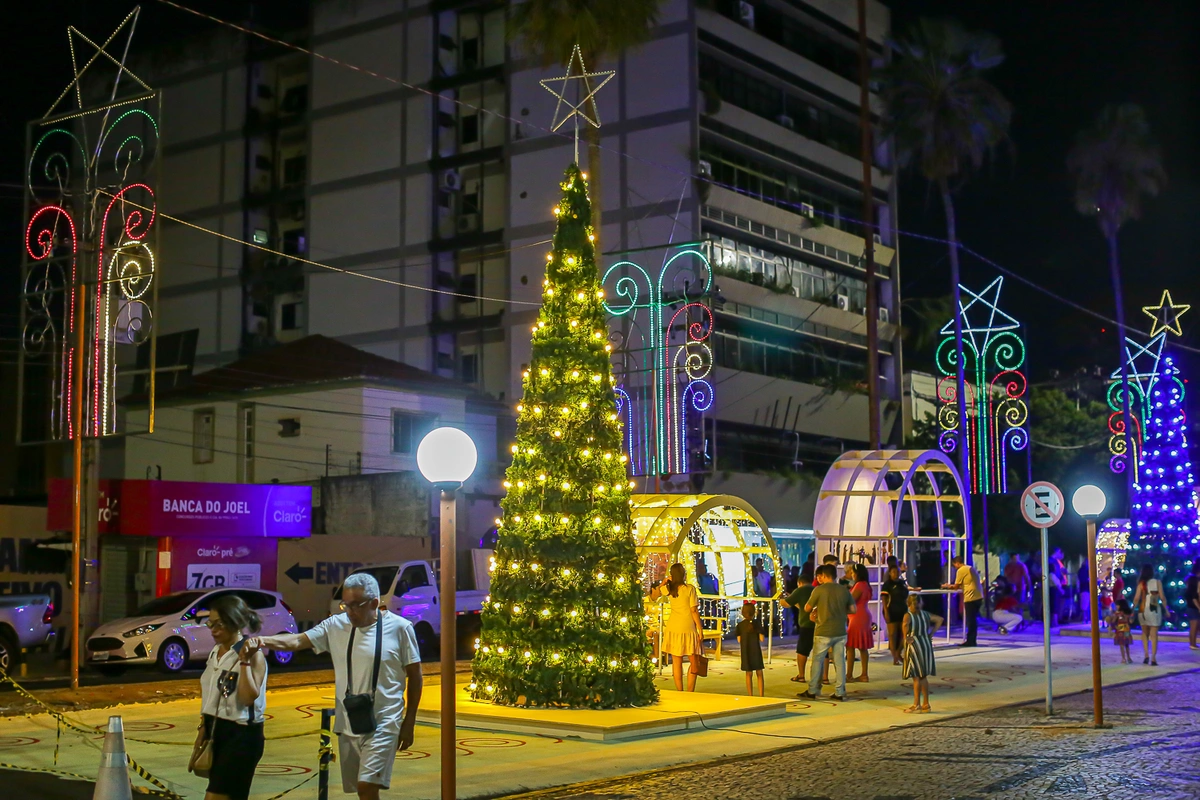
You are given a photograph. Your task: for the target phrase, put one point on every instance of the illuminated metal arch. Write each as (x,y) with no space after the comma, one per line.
(856,490)
(662,524)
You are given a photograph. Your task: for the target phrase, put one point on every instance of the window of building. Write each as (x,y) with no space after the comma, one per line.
(781,105)
(785,273)
(203,435)
(470,368)
(295,243)
(470,129)
(260,236)
(295,169)
(408,428)
(295,99)
(468,285)
(289,316)
(770,182)
(289,427)
(469,55)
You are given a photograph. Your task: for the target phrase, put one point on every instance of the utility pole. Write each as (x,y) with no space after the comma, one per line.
(869,228)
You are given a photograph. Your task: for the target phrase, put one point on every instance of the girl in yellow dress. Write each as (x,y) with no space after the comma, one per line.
(681,636)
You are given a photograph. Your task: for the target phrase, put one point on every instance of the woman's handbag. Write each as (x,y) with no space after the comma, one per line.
(698,665)
(202,755)
(360,708)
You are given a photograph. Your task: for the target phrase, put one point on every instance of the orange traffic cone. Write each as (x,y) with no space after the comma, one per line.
(113,781)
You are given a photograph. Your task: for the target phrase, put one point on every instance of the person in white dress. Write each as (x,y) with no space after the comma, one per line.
(233,700)
(681,636)
(1149,602)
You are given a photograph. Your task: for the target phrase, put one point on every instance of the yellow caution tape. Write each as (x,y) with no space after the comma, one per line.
(72,775)
(89,730)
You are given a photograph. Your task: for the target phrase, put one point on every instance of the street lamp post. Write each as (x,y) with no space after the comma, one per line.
(447,457)
(1088,502)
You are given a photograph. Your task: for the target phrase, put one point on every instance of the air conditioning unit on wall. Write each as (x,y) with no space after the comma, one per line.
(843,301)
(451,180)
(746,13)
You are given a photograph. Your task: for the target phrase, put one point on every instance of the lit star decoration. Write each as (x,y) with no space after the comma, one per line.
(1143,362)
(1166,315)
(1164,514)
(995,387)
(586,93)
(565,625)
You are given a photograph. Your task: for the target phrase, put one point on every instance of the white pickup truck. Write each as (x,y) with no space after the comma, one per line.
(410,589)
(25,621)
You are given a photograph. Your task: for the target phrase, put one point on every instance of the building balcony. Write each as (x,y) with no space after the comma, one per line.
(730,209)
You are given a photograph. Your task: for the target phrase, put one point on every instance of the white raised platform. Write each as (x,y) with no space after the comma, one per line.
(675,711)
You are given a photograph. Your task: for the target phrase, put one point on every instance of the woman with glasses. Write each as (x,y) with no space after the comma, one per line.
(233,700)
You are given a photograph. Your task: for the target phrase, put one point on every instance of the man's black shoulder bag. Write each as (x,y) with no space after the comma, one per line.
(360,708)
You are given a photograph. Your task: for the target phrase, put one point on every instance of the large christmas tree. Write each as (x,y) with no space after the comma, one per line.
(1165,532)
(564,624)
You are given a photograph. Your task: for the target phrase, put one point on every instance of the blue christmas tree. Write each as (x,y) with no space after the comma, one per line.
(1165,532)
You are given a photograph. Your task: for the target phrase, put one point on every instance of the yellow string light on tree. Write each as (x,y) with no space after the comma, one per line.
(578,655)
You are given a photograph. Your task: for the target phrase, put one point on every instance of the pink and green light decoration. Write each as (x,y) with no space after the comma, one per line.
(994,389)
(661,324)
(1143,367)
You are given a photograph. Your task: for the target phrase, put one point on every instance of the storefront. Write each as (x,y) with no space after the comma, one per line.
(158,537)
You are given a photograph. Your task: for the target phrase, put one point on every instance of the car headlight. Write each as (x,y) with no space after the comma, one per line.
(142,631)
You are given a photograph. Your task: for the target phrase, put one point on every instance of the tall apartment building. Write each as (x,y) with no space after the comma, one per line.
(735,128)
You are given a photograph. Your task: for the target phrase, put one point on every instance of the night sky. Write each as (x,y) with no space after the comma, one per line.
(1066,59)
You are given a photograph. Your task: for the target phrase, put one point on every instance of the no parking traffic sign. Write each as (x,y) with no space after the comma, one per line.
(1042,504)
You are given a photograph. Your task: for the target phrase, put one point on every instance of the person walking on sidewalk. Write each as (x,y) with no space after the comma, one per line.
(378,685)
(832,605)
(966,580)
(804,623)
(919,628)
(233,700)
(1149,600)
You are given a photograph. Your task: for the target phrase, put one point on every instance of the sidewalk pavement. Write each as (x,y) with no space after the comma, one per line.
(1003,672)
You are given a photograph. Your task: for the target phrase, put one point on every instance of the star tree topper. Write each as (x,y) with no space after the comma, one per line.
(1166,315)
(587,91)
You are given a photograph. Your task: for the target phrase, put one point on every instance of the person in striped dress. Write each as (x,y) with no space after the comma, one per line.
(919,628)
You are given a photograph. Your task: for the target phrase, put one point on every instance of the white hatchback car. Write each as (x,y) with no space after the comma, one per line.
(169,631)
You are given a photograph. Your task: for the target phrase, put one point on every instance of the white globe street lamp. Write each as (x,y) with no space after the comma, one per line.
(1089,502)
(447,457)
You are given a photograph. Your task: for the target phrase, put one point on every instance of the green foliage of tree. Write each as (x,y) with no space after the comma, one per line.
(548,31)
(565,625)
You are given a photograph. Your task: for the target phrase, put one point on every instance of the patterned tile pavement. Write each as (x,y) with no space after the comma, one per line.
(1152,750)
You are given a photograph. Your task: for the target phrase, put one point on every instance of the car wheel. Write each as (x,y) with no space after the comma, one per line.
(172,656)
(427,642)
(10,653)
(282,658)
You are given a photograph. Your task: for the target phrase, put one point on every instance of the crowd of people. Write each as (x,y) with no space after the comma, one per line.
(831,618)
(378,684)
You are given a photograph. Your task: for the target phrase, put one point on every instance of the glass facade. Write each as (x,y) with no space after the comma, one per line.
(780,272)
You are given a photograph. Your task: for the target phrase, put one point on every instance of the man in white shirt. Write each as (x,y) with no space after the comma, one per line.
(366,760)
(966,580)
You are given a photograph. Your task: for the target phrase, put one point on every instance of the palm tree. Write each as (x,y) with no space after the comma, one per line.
(548,30)
(1116,162)
(944,119)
